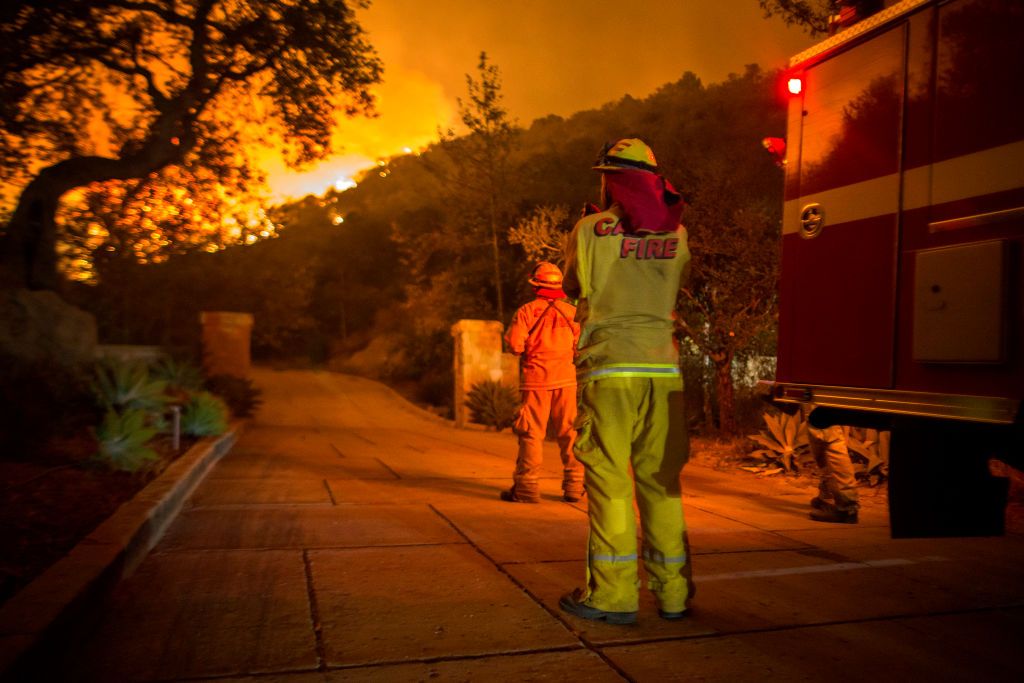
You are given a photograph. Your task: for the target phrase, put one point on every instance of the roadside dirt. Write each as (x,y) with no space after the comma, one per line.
(727,456)
(50,503)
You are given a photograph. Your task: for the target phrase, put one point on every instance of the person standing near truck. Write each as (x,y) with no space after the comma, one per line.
(626,264)
(543,333)
(837,500)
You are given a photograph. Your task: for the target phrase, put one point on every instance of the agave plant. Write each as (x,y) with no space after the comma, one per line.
(872,462)
(204,415)
(784,444)
(493,404)
(122,385)
(181,377)
(122,438)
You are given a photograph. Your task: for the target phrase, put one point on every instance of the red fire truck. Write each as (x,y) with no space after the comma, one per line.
(902,287)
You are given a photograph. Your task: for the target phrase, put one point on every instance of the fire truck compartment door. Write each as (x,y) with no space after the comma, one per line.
(960,299)
(837,290)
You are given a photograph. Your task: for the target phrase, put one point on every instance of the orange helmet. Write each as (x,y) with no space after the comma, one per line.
(626,154)
(546,275)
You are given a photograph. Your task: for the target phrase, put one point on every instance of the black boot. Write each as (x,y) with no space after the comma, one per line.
(511,496)
(835,515)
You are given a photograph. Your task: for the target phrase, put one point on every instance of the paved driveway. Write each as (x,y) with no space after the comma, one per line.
(349,536)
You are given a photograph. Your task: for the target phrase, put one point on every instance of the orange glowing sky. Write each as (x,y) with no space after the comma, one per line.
(555,57)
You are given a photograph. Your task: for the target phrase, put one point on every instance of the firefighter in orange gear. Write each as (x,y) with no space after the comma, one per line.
(544,335)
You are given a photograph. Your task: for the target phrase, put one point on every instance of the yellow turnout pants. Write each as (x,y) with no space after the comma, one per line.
(638,423)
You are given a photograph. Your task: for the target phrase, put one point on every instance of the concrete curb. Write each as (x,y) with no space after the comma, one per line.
(49,605)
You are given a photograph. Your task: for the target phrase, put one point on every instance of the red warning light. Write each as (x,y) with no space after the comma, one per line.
(776,147)
(795,85)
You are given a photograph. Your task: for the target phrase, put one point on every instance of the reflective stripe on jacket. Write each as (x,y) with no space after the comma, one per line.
(627,285)
(546,353)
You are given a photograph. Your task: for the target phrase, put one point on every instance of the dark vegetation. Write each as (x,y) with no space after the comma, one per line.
(86,440)
(160,218)
(379,292)
(141,100)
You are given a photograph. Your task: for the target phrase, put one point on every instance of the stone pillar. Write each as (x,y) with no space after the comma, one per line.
(477,358)
(226,338)
(40,327)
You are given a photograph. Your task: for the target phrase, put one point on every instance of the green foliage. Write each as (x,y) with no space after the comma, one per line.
(167,298)
(480,162)
(204,415)
(493,404)
(543,234)
(811,15)
(240,395)
(122,385)
(416,250)
(122,438)
(180,376)
(425,360)
(785,443)
(218,62)
(870,458)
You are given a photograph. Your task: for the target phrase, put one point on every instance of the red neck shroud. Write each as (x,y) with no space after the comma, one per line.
(649,201)
(547,293)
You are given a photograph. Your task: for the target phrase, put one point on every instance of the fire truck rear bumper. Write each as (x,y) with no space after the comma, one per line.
(986,409)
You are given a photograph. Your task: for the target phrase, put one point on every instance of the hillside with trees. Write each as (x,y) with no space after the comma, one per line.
(372,278)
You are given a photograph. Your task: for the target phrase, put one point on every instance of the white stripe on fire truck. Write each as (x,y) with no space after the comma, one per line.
(973,175)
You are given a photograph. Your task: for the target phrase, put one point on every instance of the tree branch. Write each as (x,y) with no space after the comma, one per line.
(160,101)
(161,10)
(200,41)
(255,67)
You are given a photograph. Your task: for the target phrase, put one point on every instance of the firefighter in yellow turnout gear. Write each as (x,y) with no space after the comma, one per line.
(626,265)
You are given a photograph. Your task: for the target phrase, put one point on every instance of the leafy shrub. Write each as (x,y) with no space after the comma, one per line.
(695,391)
(241,396)
(204,415)
(785,443)
(121,385)
(426,361)
(122,438)
(493,404)
(870,459)
(180,376)
(437,388)
(748,408)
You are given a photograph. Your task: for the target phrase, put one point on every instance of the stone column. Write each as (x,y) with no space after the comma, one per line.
(477,358)
(40,327)
(226,339)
